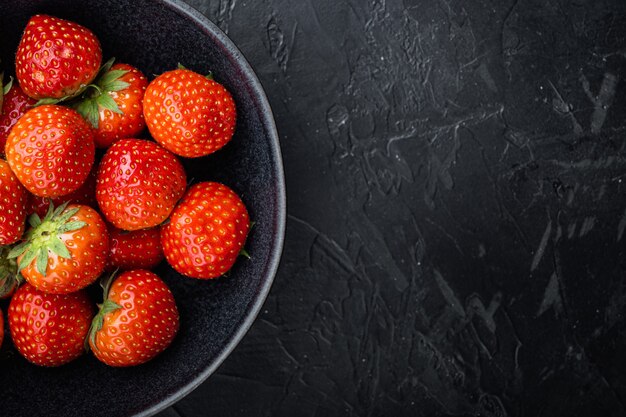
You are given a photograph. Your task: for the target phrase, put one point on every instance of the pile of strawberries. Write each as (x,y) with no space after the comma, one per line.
(70,214)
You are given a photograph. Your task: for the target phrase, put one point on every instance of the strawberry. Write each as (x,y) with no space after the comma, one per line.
(9,278)
(189,114)
(85,195)
(65,251)
(49,329)
(56,58)
(206,231)
(138,184)
(139,249)
(51,150)
(137,320)
(114,106)
(13,199)
(15,104)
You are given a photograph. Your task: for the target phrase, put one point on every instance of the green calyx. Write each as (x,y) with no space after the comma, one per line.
(44,237)
(9,277)
(97,95)
(6,87)
(105,308)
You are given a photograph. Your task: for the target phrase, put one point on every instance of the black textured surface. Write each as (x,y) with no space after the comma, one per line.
(455,241)
(155,36)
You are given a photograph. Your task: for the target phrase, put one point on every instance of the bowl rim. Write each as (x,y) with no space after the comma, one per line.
(267,120)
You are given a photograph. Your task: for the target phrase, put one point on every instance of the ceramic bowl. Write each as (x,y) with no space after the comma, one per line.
(156,35)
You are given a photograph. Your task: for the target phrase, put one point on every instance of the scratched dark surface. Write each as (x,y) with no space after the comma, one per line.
(455,243)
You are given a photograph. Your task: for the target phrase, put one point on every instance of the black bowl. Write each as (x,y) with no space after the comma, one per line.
(156,35)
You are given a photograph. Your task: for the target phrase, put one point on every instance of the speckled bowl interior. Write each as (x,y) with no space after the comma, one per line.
(156,35)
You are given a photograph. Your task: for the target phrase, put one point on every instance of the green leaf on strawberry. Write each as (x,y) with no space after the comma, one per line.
(97,95)
(45,236)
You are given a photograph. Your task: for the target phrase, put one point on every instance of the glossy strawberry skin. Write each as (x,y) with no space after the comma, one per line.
(88,247)
(13,200)
(14,105)
(85,195)
(206,232)
(138,184)
(139,249)
(143,327)
(189,114)
(49,329)
(51,150)
(114,126)
(56,57)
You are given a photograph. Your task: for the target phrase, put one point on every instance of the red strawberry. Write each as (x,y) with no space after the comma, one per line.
(49,329)
(15,104)
(115,107)
(189,114)
(13,199)
(56,58)
(51,150)
(136,322)
(9,278)
(138,184)
(206,231)
(85,195)
(65,251)
(139,249)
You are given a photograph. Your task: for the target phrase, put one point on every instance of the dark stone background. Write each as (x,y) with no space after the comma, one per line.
(455,242)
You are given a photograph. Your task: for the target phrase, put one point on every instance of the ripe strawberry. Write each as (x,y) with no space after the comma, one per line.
(115,107)
(189,114)
(85,195)
(206,231)
(9,278)
(139,249)
(15,104)
(137,320)
(65,251)
(13,198)
(49,329)
(51,150)
(56,58)
(138,184)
